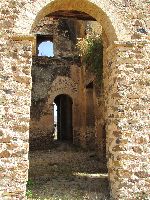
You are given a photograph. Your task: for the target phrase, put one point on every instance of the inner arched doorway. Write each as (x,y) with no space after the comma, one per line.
(64,118)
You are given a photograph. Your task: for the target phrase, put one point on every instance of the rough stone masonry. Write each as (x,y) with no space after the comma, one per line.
(125,96)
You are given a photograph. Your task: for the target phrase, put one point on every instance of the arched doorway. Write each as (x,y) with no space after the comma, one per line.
(63,133)
(56,80)
(64,118)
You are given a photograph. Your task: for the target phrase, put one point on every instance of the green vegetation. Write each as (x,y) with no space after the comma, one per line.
(91,51)
(29,193)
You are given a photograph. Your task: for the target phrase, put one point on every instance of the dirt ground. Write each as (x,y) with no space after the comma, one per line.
(65,172)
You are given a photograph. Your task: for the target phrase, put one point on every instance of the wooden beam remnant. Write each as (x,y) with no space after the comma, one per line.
(71,14)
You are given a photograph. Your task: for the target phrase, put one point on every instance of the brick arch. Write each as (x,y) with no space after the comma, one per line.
(103,11)
(62,85)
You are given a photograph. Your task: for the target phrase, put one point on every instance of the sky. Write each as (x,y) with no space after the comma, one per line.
(46,49)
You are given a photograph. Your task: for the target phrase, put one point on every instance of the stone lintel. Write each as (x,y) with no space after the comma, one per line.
(29,38)
(24,37)
(127,44)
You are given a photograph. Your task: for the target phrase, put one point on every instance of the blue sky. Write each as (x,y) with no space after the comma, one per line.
(46,49)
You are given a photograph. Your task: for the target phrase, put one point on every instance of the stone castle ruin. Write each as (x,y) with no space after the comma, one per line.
(111,118)
(58,78)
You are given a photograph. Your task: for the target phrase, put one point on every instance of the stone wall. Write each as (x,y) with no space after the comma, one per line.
(127,121)
(61,75)
(15,115)
(45,72)
(45,26)
(126,90)
(52,77)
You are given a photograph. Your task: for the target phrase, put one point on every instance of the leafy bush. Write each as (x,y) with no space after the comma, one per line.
(30,183)
(91,50)
(29,193)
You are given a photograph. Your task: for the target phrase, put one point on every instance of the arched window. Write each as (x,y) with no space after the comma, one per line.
(46,49)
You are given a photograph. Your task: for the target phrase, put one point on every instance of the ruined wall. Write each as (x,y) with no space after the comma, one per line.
(44,74)
(45,26)
(62,32)
(95,105)
(51,77)
(87,125)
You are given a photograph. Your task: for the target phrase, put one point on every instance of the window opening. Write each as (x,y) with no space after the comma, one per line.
(46,49)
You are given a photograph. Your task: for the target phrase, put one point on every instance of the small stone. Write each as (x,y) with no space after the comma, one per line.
(117,133)
(142,174)
(137,149)
(116,95)
(141,140)
(5,154)
(133,96)
(136,36)
(118,148)
(5,140)
(138,23)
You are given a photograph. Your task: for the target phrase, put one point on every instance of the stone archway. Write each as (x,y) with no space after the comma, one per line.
(62,85)
(42,109)
(127,126)
(99,10)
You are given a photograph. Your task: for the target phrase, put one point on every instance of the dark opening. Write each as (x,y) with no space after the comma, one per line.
(64,118)
(90,85)
(73,14)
